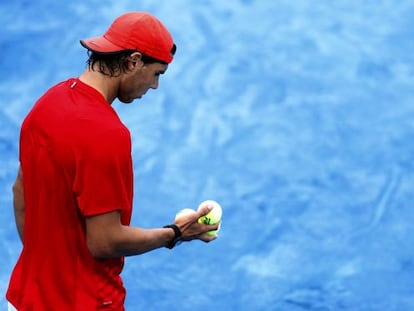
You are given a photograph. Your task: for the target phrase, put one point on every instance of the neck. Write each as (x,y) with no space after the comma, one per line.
(107,86)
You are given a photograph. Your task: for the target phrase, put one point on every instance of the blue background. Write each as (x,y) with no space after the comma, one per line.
(297,116)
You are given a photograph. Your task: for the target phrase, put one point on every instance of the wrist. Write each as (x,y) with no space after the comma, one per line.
(177,236)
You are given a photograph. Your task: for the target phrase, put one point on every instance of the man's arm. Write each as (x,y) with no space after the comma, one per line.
(18,203)
(107,237)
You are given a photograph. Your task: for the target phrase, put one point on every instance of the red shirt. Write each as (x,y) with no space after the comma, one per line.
(76,161)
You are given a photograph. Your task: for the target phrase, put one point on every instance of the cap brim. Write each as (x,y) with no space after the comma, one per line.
(100,45)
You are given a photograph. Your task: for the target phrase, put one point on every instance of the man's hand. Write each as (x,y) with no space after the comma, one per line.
(191,229)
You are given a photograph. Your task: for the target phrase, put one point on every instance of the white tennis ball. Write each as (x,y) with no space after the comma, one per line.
(183,212)
(212,217)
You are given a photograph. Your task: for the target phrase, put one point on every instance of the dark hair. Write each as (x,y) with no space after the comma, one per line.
(113,64)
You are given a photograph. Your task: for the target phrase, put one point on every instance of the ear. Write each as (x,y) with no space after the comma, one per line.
(134,60)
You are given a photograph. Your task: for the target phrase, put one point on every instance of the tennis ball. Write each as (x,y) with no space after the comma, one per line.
(212,217)
(183,212)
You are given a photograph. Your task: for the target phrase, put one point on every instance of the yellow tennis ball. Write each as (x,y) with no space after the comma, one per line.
(212,217)
(183,212)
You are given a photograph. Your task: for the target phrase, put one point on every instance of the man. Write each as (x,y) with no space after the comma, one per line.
(73,193)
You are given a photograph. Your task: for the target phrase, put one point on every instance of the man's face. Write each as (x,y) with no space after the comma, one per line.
(139,79)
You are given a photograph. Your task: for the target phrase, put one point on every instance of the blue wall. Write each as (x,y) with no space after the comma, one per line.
(297,116)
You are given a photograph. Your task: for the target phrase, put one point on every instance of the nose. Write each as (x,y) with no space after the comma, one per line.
(154,84)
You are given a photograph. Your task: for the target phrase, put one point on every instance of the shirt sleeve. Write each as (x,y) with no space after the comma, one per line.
(104,178)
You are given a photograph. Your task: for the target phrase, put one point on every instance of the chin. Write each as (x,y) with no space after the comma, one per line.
(126,100)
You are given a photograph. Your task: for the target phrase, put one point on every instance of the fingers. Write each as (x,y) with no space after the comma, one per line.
(197,230)
(204,210)
(207,235)
(213,227)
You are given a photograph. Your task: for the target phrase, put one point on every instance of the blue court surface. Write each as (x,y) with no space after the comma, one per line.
(297,116)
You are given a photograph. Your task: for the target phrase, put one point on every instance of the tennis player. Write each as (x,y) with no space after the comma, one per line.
(73,194)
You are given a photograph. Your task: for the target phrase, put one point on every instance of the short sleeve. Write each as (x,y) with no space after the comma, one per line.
(103,172)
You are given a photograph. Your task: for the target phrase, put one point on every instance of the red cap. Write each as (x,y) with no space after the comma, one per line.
(138,31)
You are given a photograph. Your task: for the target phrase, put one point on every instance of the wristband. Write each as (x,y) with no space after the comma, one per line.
(177,236)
